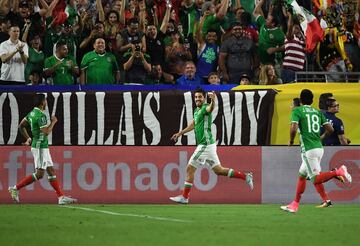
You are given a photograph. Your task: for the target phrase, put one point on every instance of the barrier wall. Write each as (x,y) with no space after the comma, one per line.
(152,174)
(348,96)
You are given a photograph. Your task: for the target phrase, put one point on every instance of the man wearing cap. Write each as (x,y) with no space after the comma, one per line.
(236,55)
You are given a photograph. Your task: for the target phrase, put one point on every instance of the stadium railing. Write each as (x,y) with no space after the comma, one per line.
(329,77)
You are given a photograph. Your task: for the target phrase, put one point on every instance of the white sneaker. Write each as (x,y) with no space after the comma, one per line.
(345,173)
(249,180)
(179,199)
(14,193)
(66,200)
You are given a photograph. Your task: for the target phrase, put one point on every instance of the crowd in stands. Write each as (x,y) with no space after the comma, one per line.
(185,42)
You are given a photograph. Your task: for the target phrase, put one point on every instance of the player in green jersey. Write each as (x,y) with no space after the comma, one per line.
(37,121)
(308,121)
(205,152)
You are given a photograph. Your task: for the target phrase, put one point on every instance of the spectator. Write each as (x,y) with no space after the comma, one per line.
(213,78)
(61,67)
(88,43)
(99,66)
(34,78)
(208,51)
(155,40)
(189,15)
(236,55)
(113,23)
(338,136)
(248,29)
(294,58)
(36,59)
(189,77)
(271,37)
(4,30)
(137,65)
(213,18)
(129,36)
(176,55)
(245,79)
(14,55)
(158,76)
(268,76)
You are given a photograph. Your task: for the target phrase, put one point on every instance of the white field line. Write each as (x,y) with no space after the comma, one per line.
(128,215)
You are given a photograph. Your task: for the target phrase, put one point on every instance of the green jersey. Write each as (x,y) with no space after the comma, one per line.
(203,121)
(100,68)
(63,72)
(268,38)
(37,120)
(35,63)
(309,121)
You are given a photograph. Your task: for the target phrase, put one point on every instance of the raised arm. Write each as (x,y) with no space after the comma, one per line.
(166,19)
(101,10)
(223,10)
(48,129)
(258,9)
(198,33)
(211,106)
(122,12)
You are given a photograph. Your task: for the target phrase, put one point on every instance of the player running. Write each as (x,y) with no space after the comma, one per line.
(36,119)
(308,121)
(205,152)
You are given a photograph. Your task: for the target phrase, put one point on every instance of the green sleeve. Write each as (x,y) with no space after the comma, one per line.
(260,21)
(295,116)
(48,63)
(85,61)
(42,121)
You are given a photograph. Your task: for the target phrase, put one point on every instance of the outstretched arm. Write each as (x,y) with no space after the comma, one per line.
(258,9)
(189,128)
(223,10)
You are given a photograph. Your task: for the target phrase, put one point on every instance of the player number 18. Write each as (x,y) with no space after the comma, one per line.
(313,123)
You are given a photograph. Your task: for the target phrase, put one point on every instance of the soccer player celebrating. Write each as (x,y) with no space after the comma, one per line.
(36,119)
(308,121)
(205,152)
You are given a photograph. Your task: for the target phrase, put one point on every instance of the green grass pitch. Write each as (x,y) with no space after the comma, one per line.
(178,225)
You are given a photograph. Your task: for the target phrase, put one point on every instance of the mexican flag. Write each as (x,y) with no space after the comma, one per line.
(309,24)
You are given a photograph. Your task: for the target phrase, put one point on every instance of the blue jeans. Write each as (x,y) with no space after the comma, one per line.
(287,75)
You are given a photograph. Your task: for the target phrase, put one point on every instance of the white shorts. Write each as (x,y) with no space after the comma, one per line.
(42,158)
(205,154)
(310,166)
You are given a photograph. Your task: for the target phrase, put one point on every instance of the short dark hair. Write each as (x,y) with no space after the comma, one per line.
(322,100)
(330,102)
(200,90)
(133,21)
(60,43)
(39,99)
(245,18)
(296,102)
(306,97)
(211,30)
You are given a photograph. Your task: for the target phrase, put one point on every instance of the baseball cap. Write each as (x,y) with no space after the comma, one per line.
(23,4)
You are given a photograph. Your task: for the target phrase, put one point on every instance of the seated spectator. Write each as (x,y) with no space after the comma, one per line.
(99,66)
(268,76)
(189,77)
(36,58)
(14,55)
(213,78)
(34,78)
(61,67)
(136,65)
(158,76)
(245,79)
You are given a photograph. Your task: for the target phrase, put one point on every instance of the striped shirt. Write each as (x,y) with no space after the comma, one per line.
(294,54)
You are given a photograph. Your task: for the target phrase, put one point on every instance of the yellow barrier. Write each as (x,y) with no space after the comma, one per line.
(347,95)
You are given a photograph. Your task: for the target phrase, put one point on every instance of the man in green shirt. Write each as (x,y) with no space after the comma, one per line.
(61,67)
(308,121)
(271,37)
(99,67)
(205,152)
(37,121)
